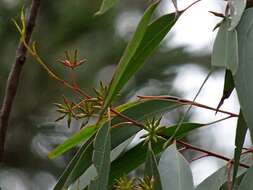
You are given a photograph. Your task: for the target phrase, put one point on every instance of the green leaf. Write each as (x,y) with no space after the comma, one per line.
(247,182)
(151,169)
(105,6)
(237,8)
(77,138)
(74,165)
(241,131)
(225,48)
(137,110)
(136,156)
(244,77)
(101,158)
(228,87)
(174,170)
(146,38)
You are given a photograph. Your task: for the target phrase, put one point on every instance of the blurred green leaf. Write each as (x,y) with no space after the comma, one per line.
(241,131)
(145,40)
(247,182)
(101,158)
(237,8)
(105,6)
(77,138)
(134,157)
(225,48)
(151,169)
(244,75)
(174,170)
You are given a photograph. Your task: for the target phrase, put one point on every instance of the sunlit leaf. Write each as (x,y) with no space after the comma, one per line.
(225,48)
(237,7)
(174,170)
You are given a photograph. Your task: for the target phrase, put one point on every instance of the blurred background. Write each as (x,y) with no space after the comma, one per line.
(178,67)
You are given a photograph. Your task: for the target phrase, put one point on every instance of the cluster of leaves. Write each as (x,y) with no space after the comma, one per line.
(104,144)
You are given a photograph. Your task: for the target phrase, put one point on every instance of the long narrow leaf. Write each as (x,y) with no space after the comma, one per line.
(80,136)
(145,40)
(175,170)
(228,87)
(151,169)
(239,141)
(106,5)
(101,158)
(75,163)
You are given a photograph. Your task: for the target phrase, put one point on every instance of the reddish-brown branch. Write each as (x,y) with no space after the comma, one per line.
(14,75)
(189,146)
(187,102)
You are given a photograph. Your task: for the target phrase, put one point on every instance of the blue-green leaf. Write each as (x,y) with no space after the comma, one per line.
(174,170)
(243,78)
(237,8)
(225,48)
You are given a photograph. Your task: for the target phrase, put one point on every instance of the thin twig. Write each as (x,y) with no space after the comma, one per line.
(189,6)
(187,102)
(188,109)
(14,75)
(199,157)
(189,146)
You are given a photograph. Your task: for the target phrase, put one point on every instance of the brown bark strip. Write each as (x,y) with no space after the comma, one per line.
(14,75)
